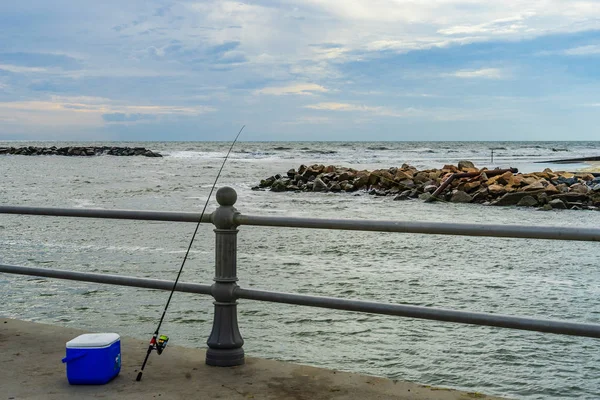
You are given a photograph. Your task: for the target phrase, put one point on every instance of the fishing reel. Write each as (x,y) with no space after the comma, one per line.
(159,344)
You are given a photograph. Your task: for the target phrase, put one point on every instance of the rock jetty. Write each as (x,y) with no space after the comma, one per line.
(462,183)
(79,151)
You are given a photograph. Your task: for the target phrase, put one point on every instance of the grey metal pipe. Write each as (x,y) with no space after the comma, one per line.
(434,228)
(437,314)
(105,278)
(504,321)
(172,216)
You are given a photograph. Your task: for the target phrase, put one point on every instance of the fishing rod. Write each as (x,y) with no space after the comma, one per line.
(159,342)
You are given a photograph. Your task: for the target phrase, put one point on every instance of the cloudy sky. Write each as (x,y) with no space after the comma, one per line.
(300,70)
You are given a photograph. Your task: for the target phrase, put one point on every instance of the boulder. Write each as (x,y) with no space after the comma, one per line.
(279,186)
(596,188)
(336,187)
(585,176)
(506,178)
(429,188)
(426,196)
(529,179)
(460,197)
(579,188)
(511,199)
(348,187)
(386,179)
(464,164)
(378,192)
(496,190)
(450,168)
(551,189)
(407,183)
(567,181)
(534,186)
(493,180)
(557,204)
(545,175)
(401,175)
(480,194)
(373,178)
(570,197)
(267,182)
(362,179)
(435,174)
(344,176)
(403,196)
(527,201)
(470,186)
(421,177)
(319,185)
(567,175)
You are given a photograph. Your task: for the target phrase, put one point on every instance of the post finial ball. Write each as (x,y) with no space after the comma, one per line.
(226,196)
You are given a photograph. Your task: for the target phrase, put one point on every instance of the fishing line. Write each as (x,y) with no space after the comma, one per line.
(157,342)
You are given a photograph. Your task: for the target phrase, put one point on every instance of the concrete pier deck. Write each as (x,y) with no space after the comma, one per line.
(31,368)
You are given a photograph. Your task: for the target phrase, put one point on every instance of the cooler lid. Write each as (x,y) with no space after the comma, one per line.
(93,340)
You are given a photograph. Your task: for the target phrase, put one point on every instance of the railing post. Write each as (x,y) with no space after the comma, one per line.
(225,341)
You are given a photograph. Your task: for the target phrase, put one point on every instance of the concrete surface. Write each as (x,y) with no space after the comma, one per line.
(31,368)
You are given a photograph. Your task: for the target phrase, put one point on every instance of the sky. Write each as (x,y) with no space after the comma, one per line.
(300,70)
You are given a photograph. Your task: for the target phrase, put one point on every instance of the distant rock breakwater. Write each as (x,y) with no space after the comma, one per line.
(79,151)
(458,184)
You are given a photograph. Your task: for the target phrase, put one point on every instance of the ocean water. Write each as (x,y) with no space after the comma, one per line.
(540,278)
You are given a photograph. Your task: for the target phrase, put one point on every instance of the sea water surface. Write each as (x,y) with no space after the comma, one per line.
(539,278)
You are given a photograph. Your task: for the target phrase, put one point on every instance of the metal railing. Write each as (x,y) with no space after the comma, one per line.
(225,343)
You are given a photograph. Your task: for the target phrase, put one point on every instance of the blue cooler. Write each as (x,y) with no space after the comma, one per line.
(93,358)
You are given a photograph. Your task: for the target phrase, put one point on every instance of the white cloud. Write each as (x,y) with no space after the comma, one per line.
(17,69)
(500,26)
(84,111)
(436,114)
(583,50)
(381,111)
(308,120)
(587,50)
(406,24)
(487,73)
(300,88)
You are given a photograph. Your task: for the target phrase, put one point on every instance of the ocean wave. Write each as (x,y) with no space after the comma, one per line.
(314,151)
(378,148)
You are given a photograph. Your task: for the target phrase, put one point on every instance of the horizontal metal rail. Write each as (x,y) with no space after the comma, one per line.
(105,278)
(436,228)
(401,310)
(430,313)
(172,216)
